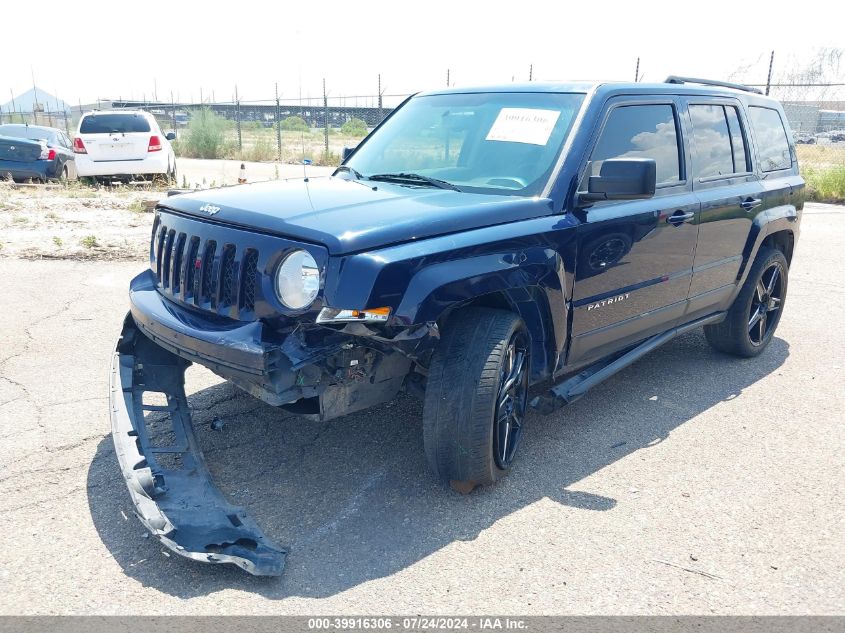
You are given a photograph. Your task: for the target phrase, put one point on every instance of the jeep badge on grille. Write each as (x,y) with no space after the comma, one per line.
(210,209)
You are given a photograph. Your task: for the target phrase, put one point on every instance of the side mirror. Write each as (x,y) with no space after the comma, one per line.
(170,136)
(347,152)
(623,179)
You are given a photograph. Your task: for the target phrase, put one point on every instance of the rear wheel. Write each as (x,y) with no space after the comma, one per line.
(476,397)
(752,319)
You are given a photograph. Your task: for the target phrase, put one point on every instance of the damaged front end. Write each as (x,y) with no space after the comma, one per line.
(313,369)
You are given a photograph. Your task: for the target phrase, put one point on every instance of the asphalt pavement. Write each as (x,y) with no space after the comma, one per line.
(690,483)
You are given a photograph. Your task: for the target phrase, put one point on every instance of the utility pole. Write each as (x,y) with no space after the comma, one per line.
(531,72)
(637,71)
(238,119)
(278,126)
(35,98)
(769,80)
(447,77)
(379,100)
(326,119)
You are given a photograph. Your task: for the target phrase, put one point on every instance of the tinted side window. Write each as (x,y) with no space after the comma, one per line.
(713,156)
(641,131)
(772,145)
(719,143)
(737,141)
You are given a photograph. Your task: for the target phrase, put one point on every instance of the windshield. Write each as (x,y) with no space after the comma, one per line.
(24,131)
(111,123)
(500,143)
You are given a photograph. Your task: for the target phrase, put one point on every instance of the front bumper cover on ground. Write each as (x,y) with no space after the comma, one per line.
(170,486)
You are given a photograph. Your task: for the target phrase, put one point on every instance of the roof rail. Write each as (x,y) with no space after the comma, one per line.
(674,79)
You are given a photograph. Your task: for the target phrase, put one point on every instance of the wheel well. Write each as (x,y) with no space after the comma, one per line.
(533,311)
(784,241)
(498,300)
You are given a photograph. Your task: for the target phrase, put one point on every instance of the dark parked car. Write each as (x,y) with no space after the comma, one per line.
(477,244)
(35,152)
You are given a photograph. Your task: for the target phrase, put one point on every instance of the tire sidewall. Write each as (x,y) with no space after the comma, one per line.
(495,471)
(459,411)
(770,257)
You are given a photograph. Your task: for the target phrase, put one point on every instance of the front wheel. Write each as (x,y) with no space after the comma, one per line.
(751,321)
(476,397)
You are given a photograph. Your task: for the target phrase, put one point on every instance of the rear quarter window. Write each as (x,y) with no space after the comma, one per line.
(772,144)
(113,123)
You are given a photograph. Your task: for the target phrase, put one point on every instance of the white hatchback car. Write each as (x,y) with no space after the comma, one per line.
(123,144)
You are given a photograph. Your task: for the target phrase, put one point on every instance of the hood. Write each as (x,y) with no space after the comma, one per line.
(348,216)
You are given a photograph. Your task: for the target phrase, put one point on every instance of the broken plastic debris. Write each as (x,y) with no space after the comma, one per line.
(217,424)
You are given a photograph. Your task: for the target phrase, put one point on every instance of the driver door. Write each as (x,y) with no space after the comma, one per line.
(635,257)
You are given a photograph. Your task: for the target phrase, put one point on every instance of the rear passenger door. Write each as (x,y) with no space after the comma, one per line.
(634,261)
(729,193)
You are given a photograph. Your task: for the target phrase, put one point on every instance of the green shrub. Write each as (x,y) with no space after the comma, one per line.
(89,241)
(261,150)
(294,124)
(825,185)
(329,159)
(354,127)
(205,136)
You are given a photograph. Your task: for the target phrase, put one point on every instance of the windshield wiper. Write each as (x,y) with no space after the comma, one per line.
(414,178)
(349,169)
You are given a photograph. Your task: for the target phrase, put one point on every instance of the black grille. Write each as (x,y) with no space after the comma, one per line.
(249,279)
(195,270)
(192,265)
(228,275)
(160,250)
(166,259)
(177,262)
(205,294)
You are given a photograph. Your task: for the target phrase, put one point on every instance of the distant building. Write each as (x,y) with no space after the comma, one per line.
(35,100)
(814,117)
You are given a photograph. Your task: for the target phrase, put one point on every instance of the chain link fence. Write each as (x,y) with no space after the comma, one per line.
(62,119)
(288,131)
(818,128)
(318,128)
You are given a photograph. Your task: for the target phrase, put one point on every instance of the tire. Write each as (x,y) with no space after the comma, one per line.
(748,328)
(466,442)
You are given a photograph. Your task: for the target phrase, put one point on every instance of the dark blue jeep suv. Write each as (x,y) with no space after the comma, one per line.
(487,249)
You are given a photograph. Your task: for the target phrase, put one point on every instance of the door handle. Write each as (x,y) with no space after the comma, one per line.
(679,217)
(750,203)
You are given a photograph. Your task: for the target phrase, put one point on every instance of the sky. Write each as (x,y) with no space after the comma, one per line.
(143,49)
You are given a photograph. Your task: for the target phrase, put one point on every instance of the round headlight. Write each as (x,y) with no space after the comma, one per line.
(297,280)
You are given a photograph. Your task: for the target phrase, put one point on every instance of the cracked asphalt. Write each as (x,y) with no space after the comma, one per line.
(689,483)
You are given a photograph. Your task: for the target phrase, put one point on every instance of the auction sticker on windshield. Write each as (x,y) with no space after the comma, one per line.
(523,125)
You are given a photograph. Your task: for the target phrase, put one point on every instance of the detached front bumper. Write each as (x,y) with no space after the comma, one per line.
(177,502)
